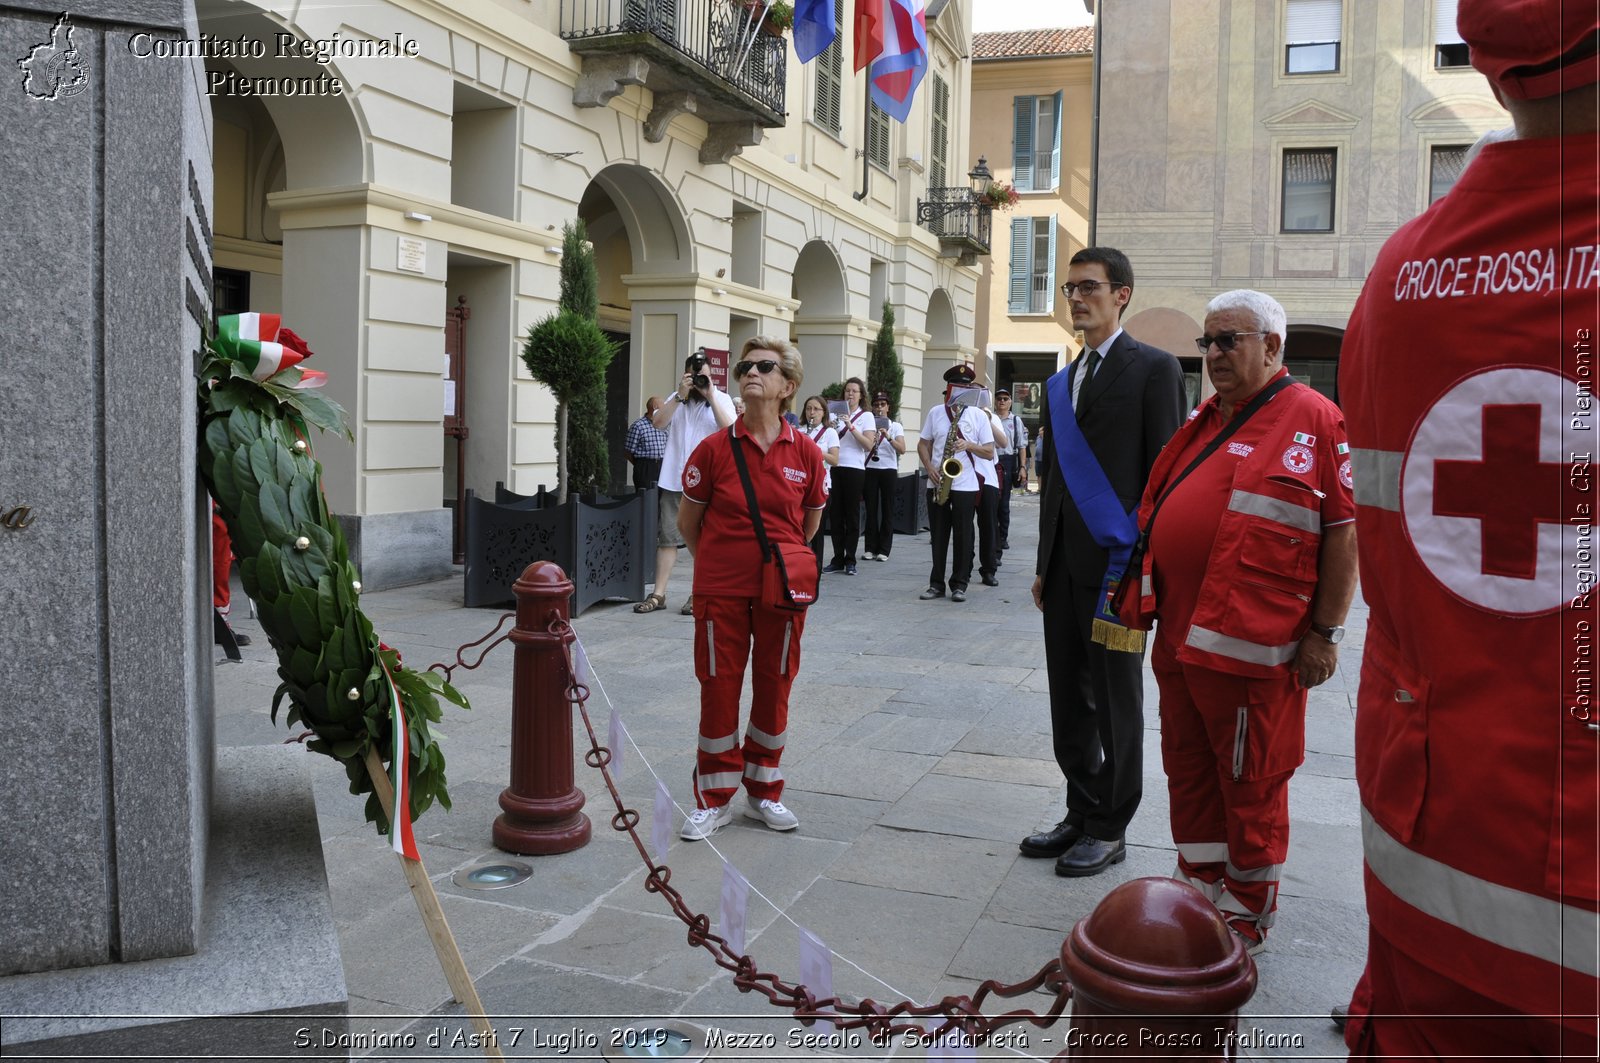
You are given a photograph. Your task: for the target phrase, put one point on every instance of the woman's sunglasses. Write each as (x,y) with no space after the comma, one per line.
(766,365)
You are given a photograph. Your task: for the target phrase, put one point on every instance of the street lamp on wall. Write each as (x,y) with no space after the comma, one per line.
(979,175)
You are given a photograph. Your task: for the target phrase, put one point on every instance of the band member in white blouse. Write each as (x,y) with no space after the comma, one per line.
(857,434)
(883,475)
(813,418)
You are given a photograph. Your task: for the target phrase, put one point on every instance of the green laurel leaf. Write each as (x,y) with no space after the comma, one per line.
(262,465)
(303,613)
(327,607)
(251,532)
(301,509)
(273,502)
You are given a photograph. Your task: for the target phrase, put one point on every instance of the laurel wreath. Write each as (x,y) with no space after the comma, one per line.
(294,563)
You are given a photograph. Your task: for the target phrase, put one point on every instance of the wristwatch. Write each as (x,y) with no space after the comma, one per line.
(1332,634)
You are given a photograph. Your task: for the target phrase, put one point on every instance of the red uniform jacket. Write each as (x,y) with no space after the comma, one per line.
(1468,375)
(1280,478)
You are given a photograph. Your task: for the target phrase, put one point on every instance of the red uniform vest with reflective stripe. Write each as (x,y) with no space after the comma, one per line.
(1255,599)
(1467,375)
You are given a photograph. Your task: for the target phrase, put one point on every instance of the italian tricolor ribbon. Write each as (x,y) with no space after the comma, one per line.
(261,344)
(401,838)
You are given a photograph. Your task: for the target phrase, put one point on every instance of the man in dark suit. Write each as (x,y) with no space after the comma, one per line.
(1127,400)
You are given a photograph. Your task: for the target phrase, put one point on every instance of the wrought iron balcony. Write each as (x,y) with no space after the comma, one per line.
(960,218)
(705,58)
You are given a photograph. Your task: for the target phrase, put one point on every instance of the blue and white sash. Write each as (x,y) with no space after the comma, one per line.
(1112,528)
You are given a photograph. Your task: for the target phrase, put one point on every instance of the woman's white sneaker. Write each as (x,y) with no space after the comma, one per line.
(702,823)
(772,813)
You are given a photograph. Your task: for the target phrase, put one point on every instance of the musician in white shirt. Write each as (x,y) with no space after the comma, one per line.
(973,441)
(883,478)
(813,425)
(857,434)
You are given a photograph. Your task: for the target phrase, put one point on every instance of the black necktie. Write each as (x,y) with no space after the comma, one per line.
(1090,364)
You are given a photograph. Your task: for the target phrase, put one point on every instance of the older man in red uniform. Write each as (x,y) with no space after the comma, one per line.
(1469,373)
(1250,569)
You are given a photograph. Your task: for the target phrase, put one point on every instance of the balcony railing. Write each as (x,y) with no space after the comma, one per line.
(959,218)
(713,42)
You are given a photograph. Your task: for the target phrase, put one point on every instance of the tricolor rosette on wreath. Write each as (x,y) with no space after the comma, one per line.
(341,681)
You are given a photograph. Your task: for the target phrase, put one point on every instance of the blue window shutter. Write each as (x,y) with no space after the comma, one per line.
(1021,263)
(1050,268)
(1022,143)
(1055,155)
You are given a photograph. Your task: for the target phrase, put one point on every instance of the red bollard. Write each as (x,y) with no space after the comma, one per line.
(541,805)
(1156,973)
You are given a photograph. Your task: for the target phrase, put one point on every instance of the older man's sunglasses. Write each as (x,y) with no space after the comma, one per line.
(1225,341)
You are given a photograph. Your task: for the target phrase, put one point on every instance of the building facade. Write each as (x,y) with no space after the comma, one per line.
(1273,144)
(1032,110)
(409,224)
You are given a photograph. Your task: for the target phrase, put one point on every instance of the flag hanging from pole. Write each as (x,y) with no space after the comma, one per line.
(897,69)
(814,28)
(869,31)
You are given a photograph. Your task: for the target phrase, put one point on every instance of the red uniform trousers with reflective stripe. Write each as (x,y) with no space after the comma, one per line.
(221,562)
(1229,745)
(1442,1019)
(728,632)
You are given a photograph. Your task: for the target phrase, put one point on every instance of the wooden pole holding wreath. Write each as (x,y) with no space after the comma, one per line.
(433,920)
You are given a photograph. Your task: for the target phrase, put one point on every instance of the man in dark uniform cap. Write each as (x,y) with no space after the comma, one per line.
(962,432)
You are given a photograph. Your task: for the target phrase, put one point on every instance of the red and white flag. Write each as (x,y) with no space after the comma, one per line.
(892,36)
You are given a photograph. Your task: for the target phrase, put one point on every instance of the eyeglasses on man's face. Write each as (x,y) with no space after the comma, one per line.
(1086,288)
(765,366)
(1225,341)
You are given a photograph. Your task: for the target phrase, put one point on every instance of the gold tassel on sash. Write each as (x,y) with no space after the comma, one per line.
(1116,637)
(1107,631)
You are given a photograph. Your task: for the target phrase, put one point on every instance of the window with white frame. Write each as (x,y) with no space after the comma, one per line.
(1311,36)
(1308,187)
(1036,143)
(939,135)
(830,77)
(1033,265)
(877,136)
(1449,50)
(1445,163)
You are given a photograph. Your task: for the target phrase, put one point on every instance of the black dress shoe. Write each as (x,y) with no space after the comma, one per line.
(990,581)
(1340,1015)
(1052,842)
(931,593)
(1090,856)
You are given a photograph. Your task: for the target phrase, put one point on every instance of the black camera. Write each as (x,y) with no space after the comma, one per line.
(693,366)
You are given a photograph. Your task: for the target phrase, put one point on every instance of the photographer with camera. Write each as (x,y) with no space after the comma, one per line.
(689,414)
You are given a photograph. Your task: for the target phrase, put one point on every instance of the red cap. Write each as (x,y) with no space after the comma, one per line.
(1518,44)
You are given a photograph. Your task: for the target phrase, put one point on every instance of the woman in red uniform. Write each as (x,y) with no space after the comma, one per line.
(731,625)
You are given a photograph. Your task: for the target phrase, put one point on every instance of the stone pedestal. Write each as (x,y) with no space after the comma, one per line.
(266,973)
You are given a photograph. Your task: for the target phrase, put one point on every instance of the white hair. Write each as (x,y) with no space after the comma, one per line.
(1267,311)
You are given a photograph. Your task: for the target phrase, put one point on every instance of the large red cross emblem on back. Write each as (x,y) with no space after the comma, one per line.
(1481,486)
(1510,492)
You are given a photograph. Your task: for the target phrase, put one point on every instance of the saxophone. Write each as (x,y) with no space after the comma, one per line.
(949,465)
